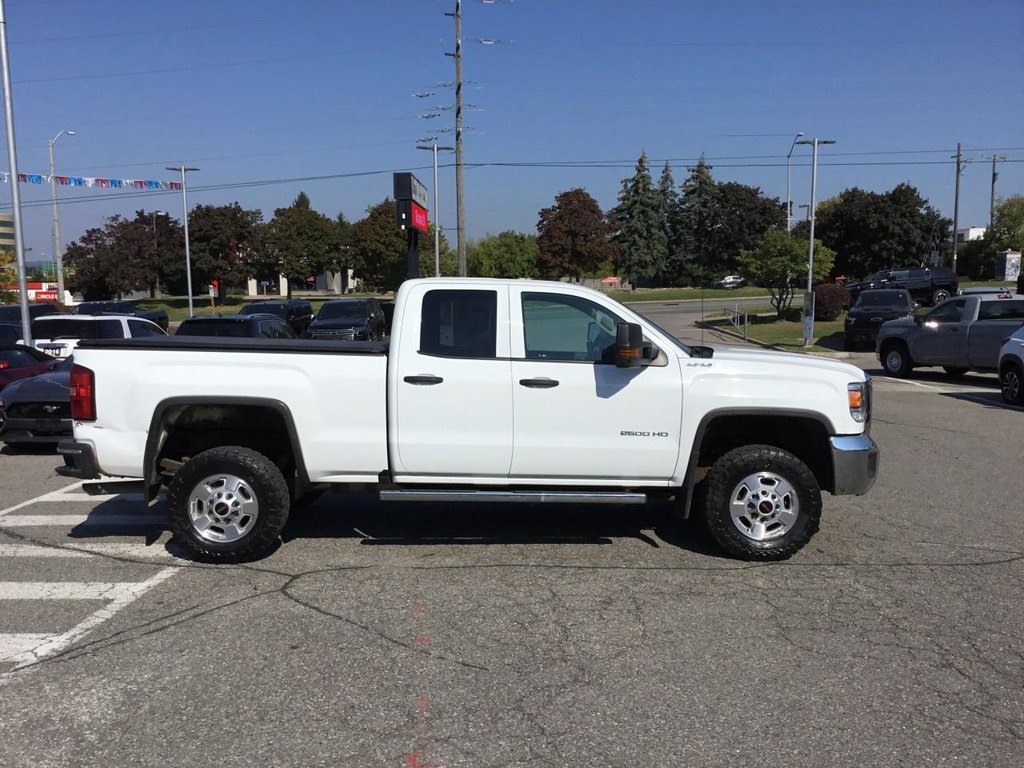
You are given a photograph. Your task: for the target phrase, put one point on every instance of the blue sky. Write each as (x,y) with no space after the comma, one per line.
(258,93)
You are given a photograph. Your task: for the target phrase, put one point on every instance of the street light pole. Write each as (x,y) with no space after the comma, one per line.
(184,203)
(437,216)
(789,199)
(56,221)
(809,315)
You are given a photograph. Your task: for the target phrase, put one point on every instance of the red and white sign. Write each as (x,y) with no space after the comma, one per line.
(418,216)
(45,295)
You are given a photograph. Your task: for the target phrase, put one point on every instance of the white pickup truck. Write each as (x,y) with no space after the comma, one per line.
(488,391)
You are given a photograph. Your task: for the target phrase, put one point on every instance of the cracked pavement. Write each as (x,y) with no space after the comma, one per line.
(420,635)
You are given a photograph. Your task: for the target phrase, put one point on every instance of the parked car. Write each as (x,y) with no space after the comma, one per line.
(1011,368)
(729,281)
(158,316)
(237,326)
(59,335)
(37,409)
(298,313)
(11,313)
(10,331)
(962,334)
(349,320)
(927,285)
(18,361)
(871,309)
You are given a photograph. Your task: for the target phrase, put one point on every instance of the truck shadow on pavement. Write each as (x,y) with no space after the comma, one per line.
(412,524)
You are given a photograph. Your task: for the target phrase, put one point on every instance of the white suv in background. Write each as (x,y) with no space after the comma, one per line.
(58,335)
(1011,368)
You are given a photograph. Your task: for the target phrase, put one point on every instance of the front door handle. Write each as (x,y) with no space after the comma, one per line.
(540,383)
(424,379)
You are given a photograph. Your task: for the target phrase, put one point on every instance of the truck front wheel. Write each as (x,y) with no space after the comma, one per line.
(228,504)
(896,359)
(762,503)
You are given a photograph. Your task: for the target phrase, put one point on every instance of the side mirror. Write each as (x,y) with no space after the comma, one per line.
(631,351)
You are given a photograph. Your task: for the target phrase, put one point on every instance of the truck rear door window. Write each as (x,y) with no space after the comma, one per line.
(1001,309)
(459,324)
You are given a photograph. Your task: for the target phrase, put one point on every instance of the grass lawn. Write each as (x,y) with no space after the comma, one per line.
(788,335)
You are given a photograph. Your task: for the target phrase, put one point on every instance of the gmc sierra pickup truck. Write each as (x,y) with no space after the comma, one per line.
(488,391)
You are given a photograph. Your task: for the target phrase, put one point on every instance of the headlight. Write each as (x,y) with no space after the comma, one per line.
(858,396)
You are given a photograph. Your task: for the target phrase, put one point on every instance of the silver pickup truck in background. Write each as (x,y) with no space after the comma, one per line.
(961,334)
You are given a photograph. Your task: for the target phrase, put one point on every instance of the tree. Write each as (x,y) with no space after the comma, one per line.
(573,236)
(304,241)
(449,260)
(105,261)
(507,254)
(977,258)
(222,239)
(870,231)
(7,276)
(691,223)
(641,222)
(377,248)
(740,216)
(779,262)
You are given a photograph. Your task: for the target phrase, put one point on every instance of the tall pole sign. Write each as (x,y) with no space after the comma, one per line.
(411,214)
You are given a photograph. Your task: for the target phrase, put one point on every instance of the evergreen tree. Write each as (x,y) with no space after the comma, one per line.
(668,200)
(692,224)
(642,234)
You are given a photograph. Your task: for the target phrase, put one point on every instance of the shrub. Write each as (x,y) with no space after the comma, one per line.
(829,301)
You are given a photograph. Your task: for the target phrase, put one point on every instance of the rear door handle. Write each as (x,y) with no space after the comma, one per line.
(540,383)
(423,380)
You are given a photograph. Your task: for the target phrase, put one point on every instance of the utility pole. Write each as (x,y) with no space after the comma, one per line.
(460,212)
(956,200)
(809,298)
(992,204)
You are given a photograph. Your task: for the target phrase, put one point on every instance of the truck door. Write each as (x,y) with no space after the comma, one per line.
(578,417)
(450,400)
(942,337)
(997,319)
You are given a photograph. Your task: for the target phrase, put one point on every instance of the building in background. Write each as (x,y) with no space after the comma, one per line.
(966,234)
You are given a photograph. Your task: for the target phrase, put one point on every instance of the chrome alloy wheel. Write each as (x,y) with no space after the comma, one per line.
(223,508)
(764,506)
(1011,385)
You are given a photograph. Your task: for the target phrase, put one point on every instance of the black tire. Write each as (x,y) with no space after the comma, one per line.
(940,296)
(227,487)
(780,524)
(896,359)
(954,370)
(1011,382)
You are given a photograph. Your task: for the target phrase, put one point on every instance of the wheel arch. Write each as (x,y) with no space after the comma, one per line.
(181,425)
(801,432)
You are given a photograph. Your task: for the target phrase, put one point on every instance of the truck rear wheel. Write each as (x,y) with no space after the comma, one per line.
(228,504)
(762,503)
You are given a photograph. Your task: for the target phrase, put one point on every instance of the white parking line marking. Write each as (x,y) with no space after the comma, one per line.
(14,645)
(126,593)
(51,496)
(91,521)
(30,550)
(66,590)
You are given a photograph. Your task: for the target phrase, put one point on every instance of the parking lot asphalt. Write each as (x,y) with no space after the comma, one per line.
(425,635)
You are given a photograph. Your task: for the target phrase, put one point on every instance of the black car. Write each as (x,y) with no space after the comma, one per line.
(871,309)
(237,326)
(37,409)
(10,331)
(158,316)
(927,285)
(349,320)
(11,313)
(298,313)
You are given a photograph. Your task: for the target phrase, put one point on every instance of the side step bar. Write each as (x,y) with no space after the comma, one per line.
(556,497)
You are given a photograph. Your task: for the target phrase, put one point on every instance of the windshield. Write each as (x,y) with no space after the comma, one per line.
(342,309)
(232,328)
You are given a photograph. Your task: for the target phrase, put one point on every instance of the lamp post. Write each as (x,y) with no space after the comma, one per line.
(184,202)
(56,220)
(789,199)
(437,216)
(808,300)
(156,253)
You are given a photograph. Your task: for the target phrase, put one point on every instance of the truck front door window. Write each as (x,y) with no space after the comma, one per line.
(559,327)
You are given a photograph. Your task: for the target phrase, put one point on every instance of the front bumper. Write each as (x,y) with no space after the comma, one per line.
(79,460)
(854,464)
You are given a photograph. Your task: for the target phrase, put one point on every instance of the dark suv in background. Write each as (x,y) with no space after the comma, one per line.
(265,326)
(927,285)
(349,320)
(298,313)
(158,316)
(870,310)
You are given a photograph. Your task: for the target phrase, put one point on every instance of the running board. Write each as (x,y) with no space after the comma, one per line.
(545,497)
